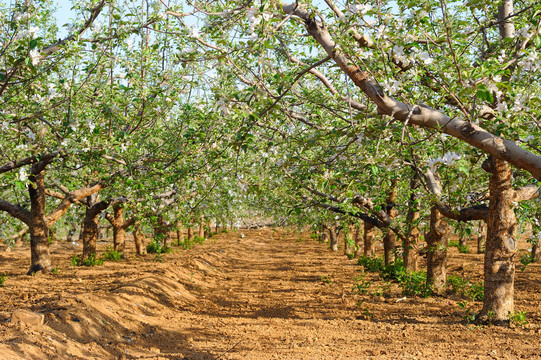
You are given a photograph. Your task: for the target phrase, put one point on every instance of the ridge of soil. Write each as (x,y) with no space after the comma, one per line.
(252,294)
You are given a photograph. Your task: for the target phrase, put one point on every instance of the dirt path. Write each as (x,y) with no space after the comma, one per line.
(268,295)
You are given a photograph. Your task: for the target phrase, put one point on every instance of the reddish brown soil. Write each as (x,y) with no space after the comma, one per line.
(268,295)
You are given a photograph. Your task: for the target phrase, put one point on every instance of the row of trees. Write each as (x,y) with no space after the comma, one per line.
(308,110)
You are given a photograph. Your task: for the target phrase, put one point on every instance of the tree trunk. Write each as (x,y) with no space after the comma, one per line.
(536,254)
(333,235)
(180,234)
(119,229)
(161,231)
(410,240)
(90,229)
(436,239)
(190,233)
(499,269)
(201,229)
(71,233)
(359,241)
(39,239)
(139,240)
(481,238)
(369,232)
(389,237)
(389,246)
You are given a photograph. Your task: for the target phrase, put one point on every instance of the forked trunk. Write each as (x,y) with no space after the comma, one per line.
(39,239)
(90,229)
(333,235)
(436,239)
(499,269)
(369,233)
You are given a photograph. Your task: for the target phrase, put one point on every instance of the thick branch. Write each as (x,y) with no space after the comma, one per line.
(421,115)
(16,211)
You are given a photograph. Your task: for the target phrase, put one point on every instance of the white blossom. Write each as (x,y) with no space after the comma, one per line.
(23,175)
(425,57)
(35,57)
(447,159)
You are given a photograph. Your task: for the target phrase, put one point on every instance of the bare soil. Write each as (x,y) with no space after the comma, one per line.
(271,294)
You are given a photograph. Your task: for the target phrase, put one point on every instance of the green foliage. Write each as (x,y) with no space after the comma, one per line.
(155,247)
(461,286)
(56,270)
(199,239)
(362,286)
(526,259)
(463,249)
(412,283)
(470,315)
(111,254)
(372,264)
(92,260)
(325,279)
(3,279)
(518,318)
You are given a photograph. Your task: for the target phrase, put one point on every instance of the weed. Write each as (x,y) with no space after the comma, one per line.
(453,243)
(414,284)
(326,279)
(92,260)
(366,312)
(3,278)
(56,270)
(463,249)
(111,254)
(158,257)
(383,290)
(518,318)
(461,286)
(371,264)
(470,315)
(156,247)
(362,286)
(199,239)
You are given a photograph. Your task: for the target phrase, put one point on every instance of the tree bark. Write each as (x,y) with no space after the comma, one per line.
(161,231)
(369,233)
(481,238)
(180,234)
(410,240)
(501,245)
(333,236)
(90,229)
(436,239)
(139,240)
(412,115)
(359,241)
(190,233)
(39,231)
